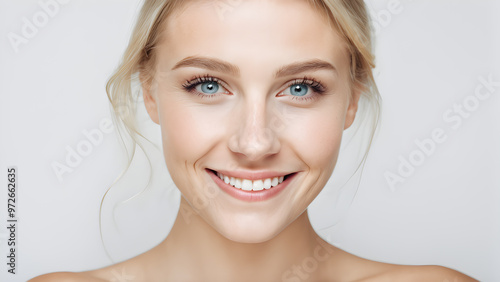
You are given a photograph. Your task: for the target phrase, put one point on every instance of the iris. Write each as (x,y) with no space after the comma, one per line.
(210,87)
(298,89)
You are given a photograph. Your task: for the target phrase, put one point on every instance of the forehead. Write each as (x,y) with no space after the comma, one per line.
(259,32)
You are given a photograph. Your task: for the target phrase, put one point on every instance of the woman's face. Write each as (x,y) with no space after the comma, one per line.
(254,90)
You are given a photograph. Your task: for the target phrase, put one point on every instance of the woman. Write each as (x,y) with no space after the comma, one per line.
(252,98)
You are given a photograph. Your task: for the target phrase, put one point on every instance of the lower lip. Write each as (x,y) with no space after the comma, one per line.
(250,196)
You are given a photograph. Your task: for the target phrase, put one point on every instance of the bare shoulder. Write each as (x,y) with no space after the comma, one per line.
(132,269)
(66,277)
(416,273)
(345,266)
(432,273)
(125,271)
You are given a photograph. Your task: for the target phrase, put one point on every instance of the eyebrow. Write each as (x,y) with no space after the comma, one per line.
(300,67)
(208,63)
(225,67)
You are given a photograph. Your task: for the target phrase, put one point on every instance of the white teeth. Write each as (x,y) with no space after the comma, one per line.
(237,183)
(249,185)
(246,185)
(258,185)
(274,181)
(267,183)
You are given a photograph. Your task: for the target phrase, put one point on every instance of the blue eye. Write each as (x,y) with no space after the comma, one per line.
(209,87)
(206,86)
(298,89)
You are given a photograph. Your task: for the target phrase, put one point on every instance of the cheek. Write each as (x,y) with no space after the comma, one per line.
(316,137)
(180,134)
(184,141)
(188,132)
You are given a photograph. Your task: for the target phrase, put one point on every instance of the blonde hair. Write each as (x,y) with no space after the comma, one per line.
(349,17)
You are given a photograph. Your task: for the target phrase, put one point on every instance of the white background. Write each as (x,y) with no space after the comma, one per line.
(430,56)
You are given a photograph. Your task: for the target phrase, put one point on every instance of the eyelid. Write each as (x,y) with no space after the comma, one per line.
(314,85)
(191,84)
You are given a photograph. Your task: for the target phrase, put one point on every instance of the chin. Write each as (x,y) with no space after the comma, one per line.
(249,230)
(249,237)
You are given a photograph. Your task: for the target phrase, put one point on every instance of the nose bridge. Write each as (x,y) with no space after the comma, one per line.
(254,137)
(256,116)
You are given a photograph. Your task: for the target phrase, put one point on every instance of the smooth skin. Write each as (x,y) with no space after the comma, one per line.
(253,118)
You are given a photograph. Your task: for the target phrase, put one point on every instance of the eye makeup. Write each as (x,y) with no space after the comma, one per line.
(313,86)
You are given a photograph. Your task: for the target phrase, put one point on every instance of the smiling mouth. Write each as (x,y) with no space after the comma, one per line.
(251,185)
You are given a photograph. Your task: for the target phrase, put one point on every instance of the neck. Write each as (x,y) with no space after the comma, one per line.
(194,244)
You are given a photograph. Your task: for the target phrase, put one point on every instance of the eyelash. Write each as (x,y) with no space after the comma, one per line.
(316,86)
(190,85)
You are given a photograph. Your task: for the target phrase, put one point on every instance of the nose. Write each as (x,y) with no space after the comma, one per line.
(253,135)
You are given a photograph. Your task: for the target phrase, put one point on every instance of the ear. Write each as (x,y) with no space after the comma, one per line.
(352,108)
(149,99)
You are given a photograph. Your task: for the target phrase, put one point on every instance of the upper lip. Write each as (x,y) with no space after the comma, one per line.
(252,175)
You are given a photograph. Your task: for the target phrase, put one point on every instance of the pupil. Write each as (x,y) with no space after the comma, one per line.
(209,87)
(298,90)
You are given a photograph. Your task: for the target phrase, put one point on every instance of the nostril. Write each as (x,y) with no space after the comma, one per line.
(254,142)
